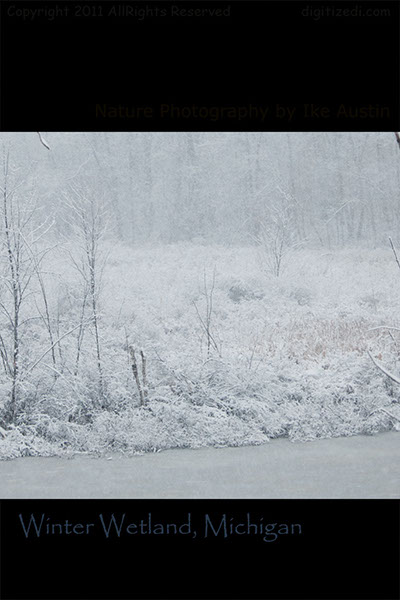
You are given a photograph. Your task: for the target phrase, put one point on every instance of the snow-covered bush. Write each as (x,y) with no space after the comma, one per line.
(286,368)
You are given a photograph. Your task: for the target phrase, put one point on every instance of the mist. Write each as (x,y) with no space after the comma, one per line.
(178,290)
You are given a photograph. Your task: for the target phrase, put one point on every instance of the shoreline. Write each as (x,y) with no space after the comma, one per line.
(347,467)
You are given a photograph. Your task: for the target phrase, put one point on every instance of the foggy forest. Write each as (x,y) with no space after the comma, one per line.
(179,290)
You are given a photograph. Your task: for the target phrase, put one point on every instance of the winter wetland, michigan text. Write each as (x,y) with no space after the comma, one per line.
(37,525)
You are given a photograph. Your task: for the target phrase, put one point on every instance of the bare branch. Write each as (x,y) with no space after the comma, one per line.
(45,144)
(384,327)
(394,252)
(385,411)
(50,349)
(383,369)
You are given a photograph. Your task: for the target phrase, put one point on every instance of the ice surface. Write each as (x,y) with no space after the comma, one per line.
(352,467)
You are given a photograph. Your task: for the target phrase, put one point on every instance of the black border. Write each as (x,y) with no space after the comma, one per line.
(68,72)
(337,554)
(66,68)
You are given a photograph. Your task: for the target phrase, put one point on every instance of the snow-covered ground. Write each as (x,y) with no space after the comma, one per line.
(349,467)
(285,356)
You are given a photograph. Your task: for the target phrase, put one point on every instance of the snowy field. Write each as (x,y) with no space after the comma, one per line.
(352,467)
(197,290)
(234,356)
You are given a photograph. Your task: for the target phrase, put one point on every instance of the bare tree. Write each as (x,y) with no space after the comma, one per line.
(206,319)
(275,239)
(88,220)
(22,254)
(81,332)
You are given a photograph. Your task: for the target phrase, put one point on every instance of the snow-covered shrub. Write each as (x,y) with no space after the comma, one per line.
(238,292)
(303,296)
(285,369)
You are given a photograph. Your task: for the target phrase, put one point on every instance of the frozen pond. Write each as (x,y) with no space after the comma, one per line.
(349,467)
